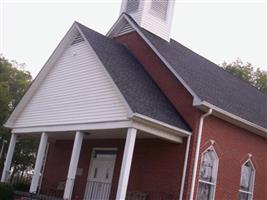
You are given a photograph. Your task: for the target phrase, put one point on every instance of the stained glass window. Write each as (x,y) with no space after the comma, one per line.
(247,181)
(207,176)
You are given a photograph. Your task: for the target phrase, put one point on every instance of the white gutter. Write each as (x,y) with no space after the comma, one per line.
(144,118)
(196,100)
(109,34)
(199,135)
(256,128)
(185,167)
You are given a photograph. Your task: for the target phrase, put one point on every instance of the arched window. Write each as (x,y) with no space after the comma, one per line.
(208,175)
(247,181)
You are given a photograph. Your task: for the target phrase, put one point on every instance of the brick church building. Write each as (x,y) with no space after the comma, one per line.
(134,114)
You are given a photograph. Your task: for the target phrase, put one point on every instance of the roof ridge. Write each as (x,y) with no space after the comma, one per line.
(208,80)
(220,67)
(188,49)
(124,67)
(99,34)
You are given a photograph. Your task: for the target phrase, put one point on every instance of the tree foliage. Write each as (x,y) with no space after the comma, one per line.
(14,81)
(245,71)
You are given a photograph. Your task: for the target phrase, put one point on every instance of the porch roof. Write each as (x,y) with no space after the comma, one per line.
(140,91)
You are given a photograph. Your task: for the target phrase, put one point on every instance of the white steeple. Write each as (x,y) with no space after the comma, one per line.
(152,15)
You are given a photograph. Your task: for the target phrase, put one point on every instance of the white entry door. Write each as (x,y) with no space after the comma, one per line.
(100,174)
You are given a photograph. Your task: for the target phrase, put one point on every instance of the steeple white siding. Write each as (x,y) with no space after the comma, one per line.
(76,90)
(152,15)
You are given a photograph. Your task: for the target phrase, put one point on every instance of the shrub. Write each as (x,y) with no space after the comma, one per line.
(6,191)
(21,186)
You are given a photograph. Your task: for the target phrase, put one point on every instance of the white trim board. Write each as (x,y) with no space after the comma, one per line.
(48,90)
(41,76)
(233,119)
(196,100)
(138,121)
(74,127)
(107,74)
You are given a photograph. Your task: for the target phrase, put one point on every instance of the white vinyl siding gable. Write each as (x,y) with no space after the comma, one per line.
(77,90)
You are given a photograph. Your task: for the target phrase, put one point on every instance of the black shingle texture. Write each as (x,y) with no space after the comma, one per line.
(140,91)
(211,83)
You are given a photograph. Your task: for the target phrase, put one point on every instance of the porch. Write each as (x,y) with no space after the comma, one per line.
(145,160)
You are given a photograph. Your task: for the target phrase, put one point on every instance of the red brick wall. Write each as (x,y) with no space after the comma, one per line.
(58,160)
(153,172)
(156,167)
(233,145)
(232,142)
(168,83)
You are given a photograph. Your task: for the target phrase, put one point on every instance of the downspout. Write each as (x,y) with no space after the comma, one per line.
(185,167)
(199,135)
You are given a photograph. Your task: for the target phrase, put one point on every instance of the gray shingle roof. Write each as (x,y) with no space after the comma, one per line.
(211,83)
(139,90)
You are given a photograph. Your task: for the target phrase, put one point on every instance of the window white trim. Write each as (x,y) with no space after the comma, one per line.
(253,179)
(206,182)
(246,192)
(93,150)
(215,172)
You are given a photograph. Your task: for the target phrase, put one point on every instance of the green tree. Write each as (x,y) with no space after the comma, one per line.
(245,71)
(13,84)
(260,80)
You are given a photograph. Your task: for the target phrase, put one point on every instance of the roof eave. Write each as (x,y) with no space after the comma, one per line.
(203,105)
(10,123)
(231,118)
(161,125)
(124,16)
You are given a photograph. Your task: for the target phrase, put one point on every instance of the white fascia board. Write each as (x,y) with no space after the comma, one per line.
(144,118)
(74,127)
(130,112)
(138,121)
(196,100)
(158,128)
(157,53)
(115,28)
(41,76)
(234,119)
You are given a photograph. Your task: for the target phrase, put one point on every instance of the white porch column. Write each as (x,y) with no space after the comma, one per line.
(126,163)
(38,163)
(73,165)
(9,157)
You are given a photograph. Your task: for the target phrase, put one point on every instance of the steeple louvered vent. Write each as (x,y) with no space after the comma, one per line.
(77,39)
(159,8)
(153,15)
(132,5)
(127,28)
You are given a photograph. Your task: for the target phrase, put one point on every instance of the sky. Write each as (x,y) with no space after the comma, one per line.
(220,30)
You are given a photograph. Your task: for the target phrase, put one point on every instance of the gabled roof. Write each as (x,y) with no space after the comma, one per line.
(140,91)
(213,84)
(208,82)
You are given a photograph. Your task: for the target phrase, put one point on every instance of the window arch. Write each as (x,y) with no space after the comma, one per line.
(207,175)
(247,181)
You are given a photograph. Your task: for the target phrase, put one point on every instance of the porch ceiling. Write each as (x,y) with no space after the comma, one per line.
(146,126)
